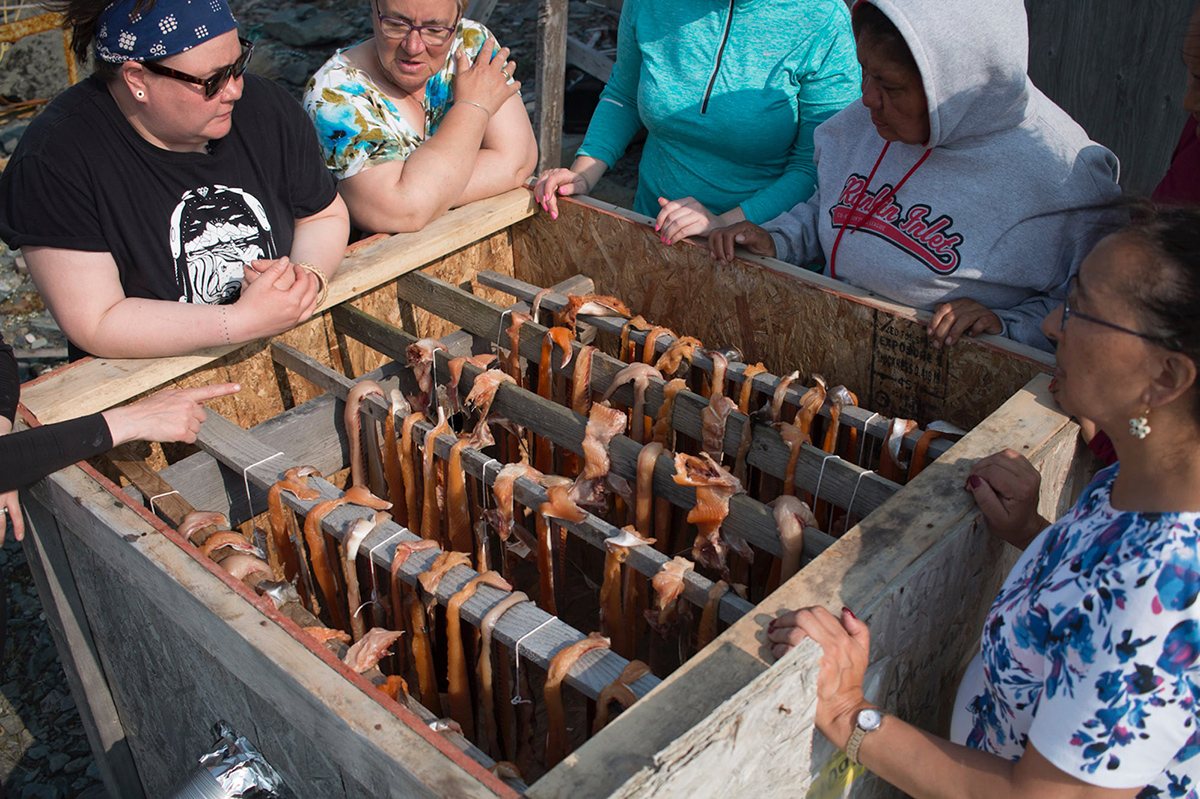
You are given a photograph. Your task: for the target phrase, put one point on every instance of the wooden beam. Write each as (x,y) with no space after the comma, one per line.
(840,481)
(748,518)
(551,79)
(160,496)
(97,384)
(68,623)
(541,635)
(308,434)
(586,58)
(592,529)
(861,419)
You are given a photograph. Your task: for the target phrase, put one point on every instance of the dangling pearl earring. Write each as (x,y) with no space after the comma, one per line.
(1139,427)
(139,94)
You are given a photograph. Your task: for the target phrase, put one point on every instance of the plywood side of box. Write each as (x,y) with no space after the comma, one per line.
(759,741)
(180,651)
(919,570)
(775,313)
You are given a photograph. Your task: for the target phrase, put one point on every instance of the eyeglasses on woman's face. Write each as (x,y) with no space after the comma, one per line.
(400,28)
(1068,311)
(215,83)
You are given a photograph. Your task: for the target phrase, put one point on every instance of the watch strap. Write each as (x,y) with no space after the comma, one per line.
(856,738)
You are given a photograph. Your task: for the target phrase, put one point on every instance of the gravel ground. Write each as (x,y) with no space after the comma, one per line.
(44,752)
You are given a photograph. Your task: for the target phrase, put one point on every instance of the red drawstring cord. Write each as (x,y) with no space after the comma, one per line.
(879,202)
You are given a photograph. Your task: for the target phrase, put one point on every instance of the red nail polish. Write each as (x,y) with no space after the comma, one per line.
(974,482)
(849,612)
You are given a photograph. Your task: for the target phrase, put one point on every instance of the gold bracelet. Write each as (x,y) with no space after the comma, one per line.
(324,281)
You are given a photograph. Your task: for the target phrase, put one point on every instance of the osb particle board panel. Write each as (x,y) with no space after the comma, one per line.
(774,313)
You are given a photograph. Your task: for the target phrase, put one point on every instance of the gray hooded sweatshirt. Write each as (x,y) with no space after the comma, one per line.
(963,223)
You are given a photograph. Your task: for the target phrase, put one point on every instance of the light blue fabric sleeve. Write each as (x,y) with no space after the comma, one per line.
(616,121)
(830,80)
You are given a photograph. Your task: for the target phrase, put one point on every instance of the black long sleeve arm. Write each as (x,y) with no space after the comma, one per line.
(10,382)
(26,456)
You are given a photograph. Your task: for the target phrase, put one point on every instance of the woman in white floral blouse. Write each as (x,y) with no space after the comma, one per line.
(421,118)
(1086,684)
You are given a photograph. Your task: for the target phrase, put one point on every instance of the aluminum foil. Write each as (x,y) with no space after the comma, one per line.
(233,770)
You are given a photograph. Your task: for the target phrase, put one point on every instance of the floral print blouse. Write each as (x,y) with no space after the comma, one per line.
(359,126)
(1089,652)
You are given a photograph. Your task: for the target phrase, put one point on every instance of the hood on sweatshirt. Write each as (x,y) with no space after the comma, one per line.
(973,59)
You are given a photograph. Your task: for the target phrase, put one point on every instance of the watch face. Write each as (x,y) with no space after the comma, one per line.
(869,719)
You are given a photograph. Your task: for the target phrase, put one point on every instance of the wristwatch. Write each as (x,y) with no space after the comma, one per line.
(868,720)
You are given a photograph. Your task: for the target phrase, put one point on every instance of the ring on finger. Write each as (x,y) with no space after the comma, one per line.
(504,72)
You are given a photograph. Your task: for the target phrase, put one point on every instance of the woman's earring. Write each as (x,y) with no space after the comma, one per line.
(139,94)
(1139,427)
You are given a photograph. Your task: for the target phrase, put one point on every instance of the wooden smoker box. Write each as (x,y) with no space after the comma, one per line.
(158,643)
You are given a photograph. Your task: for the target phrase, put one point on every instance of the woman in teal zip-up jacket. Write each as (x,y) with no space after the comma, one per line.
(730,92)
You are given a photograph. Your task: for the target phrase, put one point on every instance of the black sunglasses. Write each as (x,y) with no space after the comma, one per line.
(215,83)
(1068,312)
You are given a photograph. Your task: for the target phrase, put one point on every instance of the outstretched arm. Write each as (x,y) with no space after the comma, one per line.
(29,455)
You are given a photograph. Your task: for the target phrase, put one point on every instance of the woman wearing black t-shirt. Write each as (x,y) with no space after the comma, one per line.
(169,202)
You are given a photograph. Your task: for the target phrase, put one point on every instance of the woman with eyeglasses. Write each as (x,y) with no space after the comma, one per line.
(170,202)
(420,118)
(1087,681)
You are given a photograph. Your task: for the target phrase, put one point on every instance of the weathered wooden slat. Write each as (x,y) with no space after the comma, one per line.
(586,58)
(162,497)
(551,78)
(66,617)
(861,419)
(747,518)
(541,635)
(593,529)
(840,480)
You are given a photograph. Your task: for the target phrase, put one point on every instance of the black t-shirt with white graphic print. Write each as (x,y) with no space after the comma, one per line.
(180,226)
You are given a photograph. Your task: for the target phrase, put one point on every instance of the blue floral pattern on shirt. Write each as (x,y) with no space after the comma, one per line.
(1090,650)
(359,126)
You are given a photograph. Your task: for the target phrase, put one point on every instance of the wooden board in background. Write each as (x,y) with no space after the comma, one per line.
(1116,69)
(784,316)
